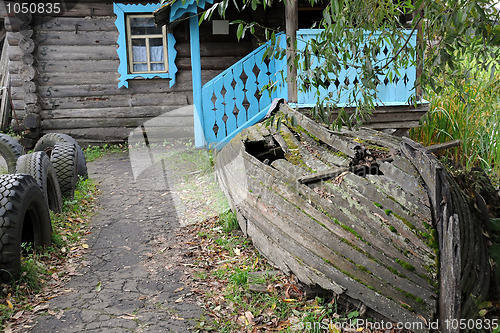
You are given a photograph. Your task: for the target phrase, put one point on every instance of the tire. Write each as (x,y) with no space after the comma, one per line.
(39,166)
(10,150)
(64,158)
(24,217)
(47,142)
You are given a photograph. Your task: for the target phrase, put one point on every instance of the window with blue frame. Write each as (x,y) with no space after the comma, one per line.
(144,50)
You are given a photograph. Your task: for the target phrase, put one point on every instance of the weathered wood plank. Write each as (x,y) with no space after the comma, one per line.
(59,79)
(298,149)
(307,195)
(69,66)
(442,146)
(402,124)
(88,8)
(216,49)
(113,112)
(311,267)
(86,90)
(59,124)
(139,100)
(333,139)
(70,38)
(74,24)
(76,52)
(208,63)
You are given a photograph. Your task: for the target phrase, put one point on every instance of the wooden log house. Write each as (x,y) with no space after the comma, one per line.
(69,74)
(87,71)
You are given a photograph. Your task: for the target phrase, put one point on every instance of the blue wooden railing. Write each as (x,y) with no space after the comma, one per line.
(234,100)
(392,90)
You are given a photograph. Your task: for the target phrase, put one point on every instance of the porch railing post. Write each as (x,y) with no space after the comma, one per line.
(292,25)
(194,34)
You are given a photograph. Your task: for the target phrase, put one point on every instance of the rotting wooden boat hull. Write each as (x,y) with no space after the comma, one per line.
(378,238)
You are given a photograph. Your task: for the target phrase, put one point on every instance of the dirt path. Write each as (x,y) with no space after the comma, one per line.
(130,278)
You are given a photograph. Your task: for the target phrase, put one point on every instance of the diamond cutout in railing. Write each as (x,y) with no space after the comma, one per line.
(236,111)
(246,103)
(386,50)
(213,99)
(224,118)
(346,81)
(337,83)
(386,80)
(244,78)
(257,94)
(395,80)
(356,81)
(233,84)
(406,79)
(223,92)
(256,71)
(215,128)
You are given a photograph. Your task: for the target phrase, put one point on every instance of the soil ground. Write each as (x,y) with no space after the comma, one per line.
(132,277)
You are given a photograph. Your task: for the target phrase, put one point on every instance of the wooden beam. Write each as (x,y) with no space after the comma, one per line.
(442,146)
(292,24)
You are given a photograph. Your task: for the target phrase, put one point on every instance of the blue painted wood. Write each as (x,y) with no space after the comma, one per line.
(181,7)
(389,92)
(194,36)
(121,10)
(233,99)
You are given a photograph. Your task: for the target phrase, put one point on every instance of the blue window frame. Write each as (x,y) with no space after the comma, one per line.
(134,62)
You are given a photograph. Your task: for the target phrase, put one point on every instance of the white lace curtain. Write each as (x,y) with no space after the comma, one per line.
(139,54)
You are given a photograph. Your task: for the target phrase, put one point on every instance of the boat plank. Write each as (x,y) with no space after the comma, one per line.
(288,192)
(295,249)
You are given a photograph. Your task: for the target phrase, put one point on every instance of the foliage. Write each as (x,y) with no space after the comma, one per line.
(467,110)
(49,266)
(94,152)
(352,35)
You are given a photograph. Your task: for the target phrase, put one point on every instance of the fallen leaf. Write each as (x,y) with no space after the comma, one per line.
(178,289)
(60,314)
(180,299)
(18,315)
(40,307)
(9,304)
(249,316)
(98,287)
(85,246)
(128,316)
(237,251)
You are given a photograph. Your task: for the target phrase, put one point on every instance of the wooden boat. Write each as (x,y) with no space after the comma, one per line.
(372,217)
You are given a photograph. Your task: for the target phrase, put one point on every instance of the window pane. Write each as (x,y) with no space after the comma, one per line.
(139,50)
(144,26)
(140,67)
(157,67)
(156,49)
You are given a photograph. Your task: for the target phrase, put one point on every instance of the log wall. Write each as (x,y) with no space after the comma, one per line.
(73,70)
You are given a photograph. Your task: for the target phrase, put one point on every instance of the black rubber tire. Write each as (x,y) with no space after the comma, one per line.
(10,150)
(47,142)
(24,217)
(64,158)
(38,165)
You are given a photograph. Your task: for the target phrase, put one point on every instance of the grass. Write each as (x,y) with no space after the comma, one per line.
(92,153)
(40,266)
(467,110)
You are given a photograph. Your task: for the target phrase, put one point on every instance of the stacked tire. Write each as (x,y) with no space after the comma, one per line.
(35,183)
